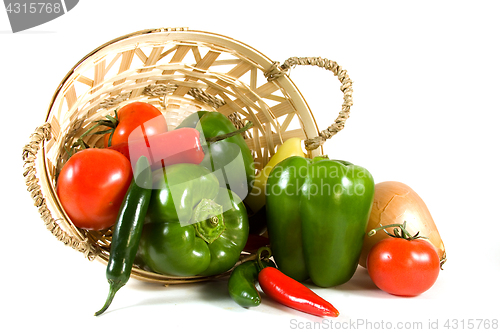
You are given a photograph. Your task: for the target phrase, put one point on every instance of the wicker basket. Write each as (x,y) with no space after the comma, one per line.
(180,71)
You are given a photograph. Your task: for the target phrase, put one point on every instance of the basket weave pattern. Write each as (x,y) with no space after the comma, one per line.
(180,72)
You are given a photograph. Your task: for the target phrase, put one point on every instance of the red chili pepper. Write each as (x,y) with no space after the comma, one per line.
(293,294)
(182,145)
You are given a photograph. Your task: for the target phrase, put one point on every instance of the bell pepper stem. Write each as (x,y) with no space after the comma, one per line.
(208,220)
(113,288)
(228,135)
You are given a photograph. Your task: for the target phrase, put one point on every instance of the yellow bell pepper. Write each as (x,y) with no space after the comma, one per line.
(256,199)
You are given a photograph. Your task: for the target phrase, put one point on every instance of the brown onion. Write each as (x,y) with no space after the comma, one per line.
(395,203)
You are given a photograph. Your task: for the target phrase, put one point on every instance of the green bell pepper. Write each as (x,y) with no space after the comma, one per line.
(193,226)
(317,212)
(230,159)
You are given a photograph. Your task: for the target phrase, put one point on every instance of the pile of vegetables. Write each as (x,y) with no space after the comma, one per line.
(188,201)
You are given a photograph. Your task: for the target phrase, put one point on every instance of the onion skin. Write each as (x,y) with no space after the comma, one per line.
(395,202)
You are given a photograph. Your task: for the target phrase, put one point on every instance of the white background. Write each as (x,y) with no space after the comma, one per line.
(426,112)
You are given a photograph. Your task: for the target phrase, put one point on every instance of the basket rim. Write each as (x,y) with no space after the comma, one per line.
(161,31)
(296,98)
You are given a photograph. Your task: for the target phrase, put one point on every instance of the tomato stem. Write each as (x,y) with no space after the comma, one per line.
(111,122)
(74,147)
(396,232)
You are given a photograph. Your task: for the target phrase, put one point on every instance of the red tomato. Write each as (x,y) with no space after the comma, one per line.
(403,267)
(92,185)
(132,116)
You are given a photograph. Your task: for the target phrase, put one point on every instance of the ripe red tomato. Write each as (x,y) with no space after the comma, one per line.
(403,267)
(132,116)
(92,185)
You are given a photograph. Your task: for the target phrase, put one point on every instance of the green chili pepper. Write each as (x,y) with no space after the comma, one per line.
(230,159)
(128,228)
(242,281)
(317,213)
(194,227)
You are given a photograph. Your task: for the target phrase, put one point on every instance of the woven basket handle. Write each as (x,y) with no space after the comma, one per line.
(346,88)
(30,151)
